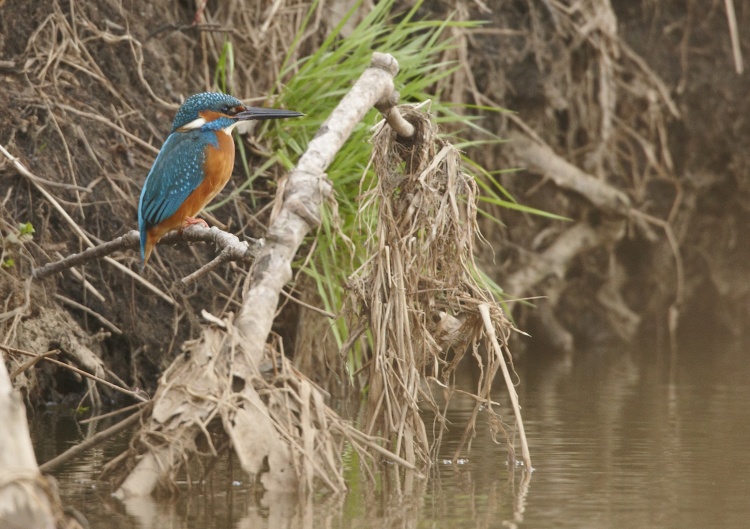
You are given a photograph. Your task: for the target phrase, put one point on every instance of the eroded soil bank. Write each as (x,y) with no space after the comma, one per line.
(641,96)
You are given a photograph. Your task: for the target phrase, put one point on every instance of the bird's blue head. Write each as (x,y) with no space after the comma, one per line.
(199,106)
(214,111)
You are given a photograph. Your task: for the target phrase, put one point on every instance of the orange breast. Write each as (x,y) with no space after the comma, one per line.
(218,169)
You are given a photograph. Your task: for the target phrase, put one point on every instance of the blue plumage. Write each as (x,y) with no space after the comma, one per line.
(177,171)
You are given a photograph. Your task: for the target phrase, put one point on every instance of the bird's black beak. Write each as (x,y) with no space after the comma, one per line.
(265,113)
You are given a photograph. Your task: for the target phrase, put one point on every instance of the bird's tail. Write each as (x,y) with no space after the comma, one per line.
(146,247)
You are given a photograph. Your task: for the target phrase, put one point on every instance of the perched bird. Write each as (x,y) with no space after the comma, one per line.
(193,165)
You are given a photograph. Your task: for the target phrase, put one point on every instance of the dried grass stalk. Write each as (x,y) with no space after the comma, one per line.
(419,292)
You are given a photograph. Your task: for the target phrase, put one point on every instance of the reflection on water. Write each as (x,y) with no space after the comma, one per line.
(614,445)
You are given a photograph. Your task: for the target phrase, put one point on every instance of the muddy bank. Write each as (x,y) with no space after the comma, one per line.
(642,98)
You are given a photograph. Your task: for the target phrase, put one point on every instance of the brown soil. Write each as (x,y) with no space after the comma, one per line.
(85,93)
(131,62)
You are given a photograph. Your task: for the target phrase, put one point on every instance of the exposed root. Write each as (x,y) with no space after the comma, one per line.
(594,117)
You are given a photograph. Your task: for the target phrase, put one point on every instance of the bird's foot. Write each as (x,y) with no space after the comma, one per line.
(189,221)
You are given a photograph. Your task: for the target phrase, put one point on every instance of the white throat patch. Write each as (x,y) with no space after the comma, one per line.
(195,124)
(230,128)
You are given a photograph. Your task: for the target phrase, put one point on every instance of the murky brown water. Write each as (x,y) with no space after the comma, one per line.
(614,445)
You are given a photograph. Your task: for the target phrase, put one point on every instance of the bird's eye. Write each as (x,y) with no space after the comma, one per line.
(226,109)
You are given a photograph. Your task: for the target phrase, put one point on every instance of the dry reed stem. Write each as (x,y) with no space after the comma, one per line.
(734,34)
(489,328)
(91,442)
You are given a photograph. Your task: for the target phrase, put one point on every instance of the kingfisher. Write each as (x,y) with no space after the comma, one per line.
(194,164)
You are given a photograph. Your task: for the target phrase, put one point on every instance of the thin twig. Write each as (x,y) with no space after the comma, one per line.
(109,123)
(232,249)
(87,285)
(81,372)
(113,413)
(31,363)
(92,441)
(128,241)
(735,36)
(207,268)
(235,249)
(313,308)
(184,28)
(674,246)
(489,328)
(104,321)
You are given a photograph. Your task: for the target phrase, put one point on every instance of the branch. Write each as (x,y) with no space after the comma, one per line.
(555,260)
(393,117)
(91,442)
(233,249)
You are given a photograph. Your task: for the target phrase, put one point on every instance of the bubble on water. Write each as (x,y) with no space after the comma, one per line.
(459,461)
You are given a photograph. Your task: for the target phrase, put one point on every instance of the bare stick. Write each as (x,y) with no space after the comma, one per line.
(113,413)
(79,371)
(393,117)
(555,260)
(484,309)
(313,308)
(735,36)
(91,442)
(233,248)
(109,123)
(542,158)
(129,240)
(31,363)
(215,263)
(104,321)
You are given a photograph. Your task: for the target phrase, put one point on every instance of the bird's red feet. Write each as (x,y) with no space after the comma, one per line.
(189,221)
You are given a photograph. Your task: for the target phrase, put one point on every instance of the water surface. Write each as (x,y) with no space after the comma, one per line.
(614,444)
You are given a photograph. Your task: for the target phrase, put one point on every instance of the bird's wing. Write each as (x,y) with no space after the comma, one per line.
(177,171)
